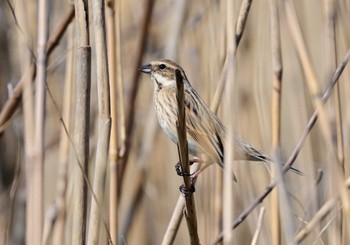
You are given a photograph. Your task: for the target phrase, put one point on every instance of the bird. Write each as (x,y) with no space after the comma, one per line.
(205,132)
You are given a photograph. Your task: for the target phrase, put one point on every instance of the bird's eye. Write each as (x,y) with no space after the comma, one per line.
(162,66)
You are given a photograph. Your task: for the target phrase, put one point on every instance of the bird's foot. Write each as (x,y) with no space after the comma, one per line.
(179,170)
(187,193)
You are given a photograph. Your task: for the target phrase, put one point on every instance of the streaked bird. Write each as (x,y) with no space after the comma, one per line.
(205,132)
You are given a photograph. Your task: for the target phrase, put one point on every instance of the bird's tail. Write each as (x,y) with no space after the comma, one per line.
(253,154)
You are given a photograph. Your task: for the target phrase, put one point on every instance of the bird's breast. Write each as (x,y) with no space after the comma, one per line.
(165,106)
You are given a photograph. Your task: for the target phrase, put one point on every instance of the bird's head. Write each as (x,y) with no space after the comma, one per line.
(162,73)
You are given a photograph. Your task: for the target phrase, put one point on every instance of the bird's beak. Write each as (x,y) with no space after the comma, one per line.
(145,69)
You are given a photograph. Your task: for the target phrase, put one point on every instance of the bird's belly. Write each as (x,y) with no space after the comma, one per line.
(173,136)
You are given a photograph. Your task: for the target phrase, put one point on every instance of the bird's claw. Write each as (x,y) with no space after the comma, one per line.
(187,193)
(179,170)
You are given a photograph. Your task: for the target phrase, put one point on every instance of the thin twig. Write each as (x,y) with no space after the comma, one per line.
(190,213)
(319,216)
(241,21)
(58,33)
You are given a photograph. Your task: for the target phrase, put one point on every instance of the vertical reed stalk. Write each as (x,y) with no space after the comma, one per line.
(81,123)
(25,89)
(331,62)
(104,121)
(277,68)
(227,198)
(62,181)
(113,147)
(40,98)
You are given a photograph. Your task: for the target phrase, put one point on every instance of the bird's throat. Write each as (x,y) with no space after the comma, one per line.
(159,85)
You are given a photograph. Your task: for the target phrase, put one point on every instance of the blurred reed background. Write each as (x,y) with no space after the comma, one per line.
(46,198)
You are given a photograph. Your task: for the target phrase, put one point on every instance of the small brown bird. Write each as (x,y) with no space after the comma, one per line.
(205,132)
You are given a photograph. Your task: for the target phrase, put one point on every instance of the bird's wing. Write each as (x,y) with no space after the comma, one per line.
(203,127)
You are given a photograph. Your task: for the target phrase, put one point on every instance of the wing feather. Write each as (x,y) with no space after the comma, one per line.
(203,127)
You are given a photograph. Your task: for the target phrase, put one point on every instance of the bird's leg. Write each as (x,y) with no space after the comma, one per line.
(188,192)
(185,191)
(202,168)
(195,160)
(179,170)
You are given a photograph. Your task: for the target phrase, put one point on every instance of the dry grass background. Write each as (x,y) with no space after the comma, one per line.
(194,34)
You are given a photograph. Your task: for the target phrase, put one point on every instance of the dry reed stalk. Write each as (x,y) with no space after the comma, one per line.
(26,87)
(130,117)
(50,219)
(231,45)
(121,128)
(120,83)
(176,218)
(258,227)
(11,105)
(62,181)
(81,123)
(294,153)
(113,47)
(182,146)
(240,25)
(38,150)
(277,68)
(56,36)
(104,121)
(175,221)
(331,54)
(316,219)
(331,59)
